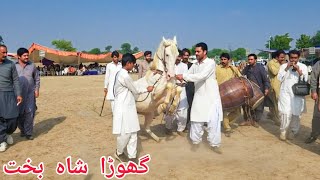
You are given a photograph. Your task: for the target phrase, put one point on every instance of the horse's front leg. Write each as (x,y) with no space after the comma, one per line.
(169,94)
(176,100)
(147,123)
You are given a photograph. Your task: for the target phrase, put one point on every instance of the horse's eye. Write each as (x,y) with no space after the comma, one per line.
(167,55)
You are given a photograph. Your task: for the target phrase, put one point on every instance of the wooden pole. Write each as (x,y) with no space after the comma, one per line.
(78,54)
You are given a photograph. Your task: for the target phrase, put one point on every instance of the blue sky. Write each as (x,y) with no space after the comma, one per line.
(98,23)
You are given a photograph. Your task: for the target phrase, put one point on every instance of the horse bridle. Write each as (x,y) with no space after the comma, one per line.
(163,60)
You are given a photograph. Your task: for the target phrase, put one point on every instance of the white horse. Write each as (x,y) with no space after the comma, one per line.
(161,74)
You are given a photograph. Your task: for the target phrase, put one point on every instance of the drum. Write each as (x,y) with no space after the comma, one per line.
(234,92)
(258,96)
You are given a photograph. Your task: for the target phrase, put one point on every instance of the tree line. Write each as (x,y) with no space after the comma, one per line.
(66,45)
(275,42)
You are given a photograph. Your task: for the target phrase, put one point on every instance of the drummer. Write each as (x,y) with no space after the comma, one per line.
(225,72)
(256,73)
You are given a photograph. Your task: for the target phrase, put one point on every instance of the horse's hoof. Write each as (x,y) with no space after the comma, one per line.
(155,137)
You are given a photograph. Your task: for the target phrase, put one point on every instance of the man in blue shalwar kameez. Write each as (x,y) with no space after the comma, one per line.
(30,83)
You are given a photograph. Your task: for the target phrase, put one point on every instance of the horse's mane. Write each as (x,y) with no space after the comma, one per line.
(156,56)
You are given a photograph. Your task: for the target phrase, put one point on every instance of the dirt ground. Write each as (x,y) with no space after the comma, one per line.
(68,124)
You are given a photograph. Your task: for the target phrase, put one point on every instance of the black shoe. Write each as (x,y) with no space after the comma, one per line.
(311,139)
(29,137)
(120,157)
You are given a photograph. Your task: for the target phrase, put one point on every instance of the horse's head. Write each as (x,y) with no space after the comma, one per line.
(166,56)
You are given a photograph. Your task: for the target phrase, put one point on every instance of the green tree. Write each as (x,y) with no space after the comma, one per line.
(238,54)
(95,51)
(193,50)
(1,40)
(135,50)
(125,48)
(264,55)
(216,52)
(63,45)
(108,49)
(304,42)
(316,39)
(279,42)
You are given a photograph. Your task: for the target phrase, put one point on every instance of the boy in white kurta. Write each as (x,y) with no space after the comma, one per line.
(291,106)
(206,105)
(111,70)
(125,117)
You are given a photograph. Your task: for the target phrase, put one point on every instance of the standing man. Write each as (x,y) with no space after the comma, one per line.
(189,86)
(30,84)
(145,65)
(314,82)
(182,109)
(225,72)
(206,106)
(273,69)
(111,71)
(10,98)
(256,73)
(125,118)
(290,105)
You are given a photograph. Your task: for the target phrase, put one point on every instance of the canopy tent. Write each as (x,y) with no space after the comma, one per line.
(65,57)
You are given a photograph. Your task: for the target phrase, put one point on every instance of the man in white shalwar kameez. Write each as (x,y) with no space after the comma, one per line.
(181,114)
(291,106)
(125,117)
(206,105)
(111,70)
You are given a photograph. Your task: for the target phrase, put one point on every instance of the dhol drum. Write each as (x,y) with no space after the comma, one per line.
(234,92)
(258,96)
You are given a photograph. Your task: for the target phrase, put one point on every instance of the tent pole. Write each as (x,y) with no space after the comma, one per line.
(78,58)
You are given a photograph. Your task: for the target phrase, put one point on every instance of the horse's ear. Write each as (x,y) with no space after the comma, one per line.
(175,39)
(165,42)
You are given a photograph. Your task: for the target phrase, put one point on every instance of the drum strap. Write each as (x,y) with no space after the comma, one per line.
(247,100)
(234,71)
(245,89)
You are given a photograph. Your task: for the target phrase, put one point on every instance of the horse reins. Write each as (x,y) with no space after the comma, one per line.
(163,60)
(150,92)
